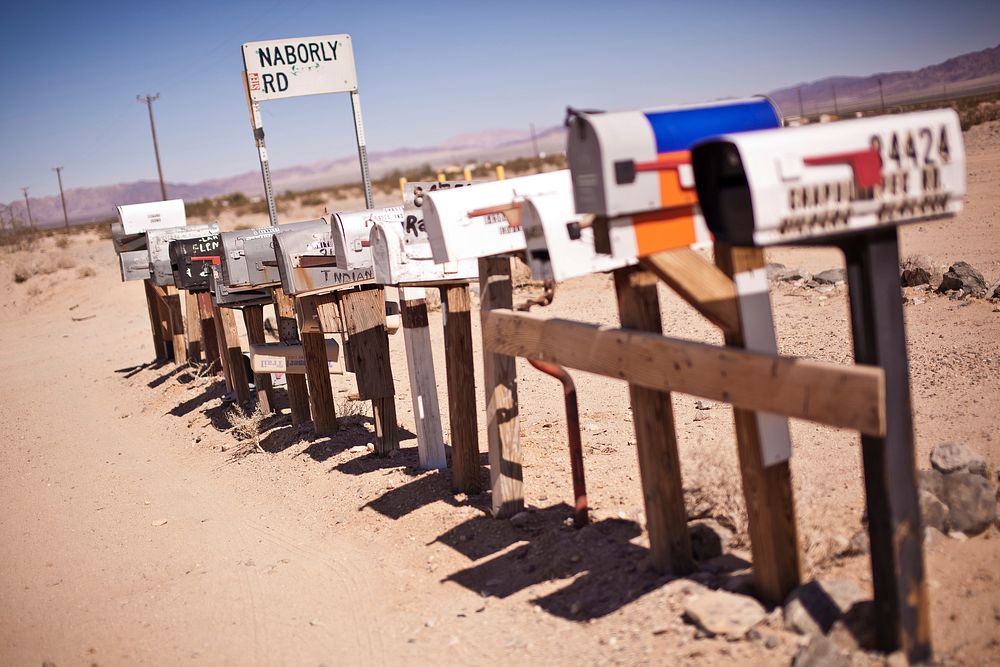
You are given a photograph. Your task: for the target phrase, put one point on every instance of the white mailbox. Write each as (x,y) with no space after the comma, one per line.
(465,223)
(307,262)
(828,180)
(158,241)
(139,218)
(351,235)
(401,254)
(552,253)
(632,170)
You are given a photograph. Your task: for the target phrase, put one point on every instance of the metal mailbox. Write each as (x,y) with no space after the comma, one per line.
(402,254)
(235,272)
(632,170)
(552,253)
(466,223)
(834,179)
(126,242)
(351,231)
(307,262)
(140,218)
(159,240)
(223,296)
(191,261)
(134,264)
(249,260)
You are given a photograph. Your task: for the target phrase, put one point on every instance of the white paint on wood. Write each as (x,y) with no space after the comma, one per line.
(423,388)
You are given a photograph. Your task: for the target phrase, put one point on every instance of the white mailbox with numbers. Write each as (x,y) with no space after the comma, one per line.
(835,179)
(307,262)
(466,223)
(552,253)
(139,218)
(158,242)
(351,233)
(401,254)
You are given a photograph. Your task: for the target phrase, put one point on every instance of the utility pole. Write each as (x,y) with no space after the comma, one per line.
(62,196)
(534,142)
(881,94)
(802,113)
(149,99)
(836,111)
(27,206)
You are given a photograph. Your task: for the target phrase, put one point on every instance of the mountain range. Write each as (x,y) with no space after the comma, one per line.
(96,203)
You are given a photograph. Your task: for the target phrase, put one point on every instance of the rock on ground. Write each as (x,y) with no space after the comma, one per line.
(933,512)
(820,652)
(931,481)
(952,457)
(916,270)
(972,505)
(961,276)
(830,277)
(814,607)
(725,614)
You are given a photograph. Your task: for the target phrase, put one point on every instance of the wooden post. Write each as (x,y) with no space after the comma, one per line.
(423,384)
(172,299)
(159,343)
(210,341)
(253,319)
(456,307)
(367,346)
(234,355)
(163,320)
(220,336)
(192,326)
(891,495)
(298,393)
(500,383)
(655,435)
(774,541)
(324,412)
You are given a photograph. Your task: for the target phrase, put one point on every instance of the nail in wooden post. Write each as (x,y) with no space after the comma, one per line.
(253,319)
(655,435)
(192,326)
(172,298)
(298,393)
(237,369)
(209,339)
(324,412)
(774,541)
(367,347)
(456,307)
(894,526)
(500,382)
(159,344)
(423,384)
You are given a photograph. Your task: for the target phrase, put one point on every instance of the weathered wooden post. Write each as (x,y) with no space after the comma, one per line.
(849,184)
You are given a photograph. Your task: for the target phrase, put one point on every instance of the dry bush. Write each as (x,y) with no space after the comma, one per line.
(247,427)
(63,262)
(347,408)
(23,270)
(86,272)
(62,242)
(713,489)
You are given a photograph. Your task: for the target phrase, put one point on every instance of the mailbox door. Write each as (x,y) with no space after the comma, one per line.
(134,265)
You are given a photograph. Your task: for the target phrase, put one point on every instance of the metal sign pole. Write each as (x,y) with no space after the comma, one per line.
(359,130)
(265,166)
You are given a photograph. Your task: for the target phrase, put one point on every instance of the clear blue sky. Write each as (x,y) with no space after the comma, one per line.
(427,71)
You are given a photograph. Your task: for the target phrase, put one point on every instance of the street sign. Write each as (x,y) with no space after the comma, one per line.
(281,68)
(139,218)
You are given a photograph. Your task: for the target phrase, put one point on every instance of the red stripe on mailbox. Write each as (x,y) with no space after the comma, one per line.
(866,165)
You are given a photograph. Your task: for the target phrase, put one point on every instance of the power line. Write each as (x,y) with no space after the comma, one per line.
(62,196)
(149,99)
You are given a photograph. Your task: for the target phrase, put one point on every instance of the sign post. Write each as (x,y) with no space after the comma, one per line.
(282,68)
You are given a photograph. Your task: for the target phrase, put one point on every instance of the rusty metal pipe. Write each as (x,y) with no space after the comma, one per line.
(573,432)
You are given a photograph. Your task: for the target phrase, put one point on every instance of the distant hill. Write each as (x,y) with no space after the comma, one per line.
(87,204)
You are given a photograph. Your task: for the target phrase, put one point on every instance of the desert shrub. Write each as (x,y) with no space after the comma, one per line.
(246,427)
(62,242)
(313,201)
(86,272)
(63,261)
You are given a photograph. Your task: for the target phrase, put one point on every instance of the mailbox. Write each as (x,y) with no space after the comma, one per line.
(466,223)
(291,359)
(248,257)
(351,231)
(140,218)
(134,264)
(632,170)
(307,262)
(191,261)
(401,254)
(833,179)
(159,240)
(223,296)
(552,253)
(126,242)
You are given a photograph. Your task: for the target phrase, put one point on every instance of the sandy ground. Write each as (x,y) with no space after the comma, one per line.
(130,535)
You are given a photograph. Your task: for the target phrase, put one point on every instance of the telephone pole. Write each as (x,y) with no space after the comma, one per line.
(62,196)
(149,99)
(27,206)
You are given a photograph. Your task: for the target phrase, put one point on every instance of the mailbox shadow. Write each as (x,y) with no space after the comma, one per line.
(156,382)
(213,391)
